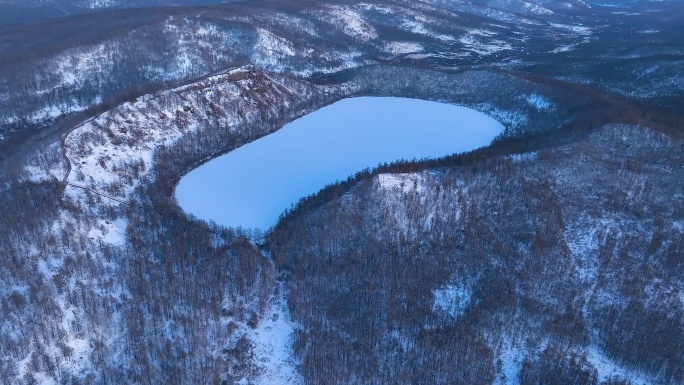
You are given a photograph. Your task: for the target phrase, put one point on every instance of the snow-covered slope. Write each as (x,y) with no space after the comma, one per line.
(113,152)
(83,302)
(560,265)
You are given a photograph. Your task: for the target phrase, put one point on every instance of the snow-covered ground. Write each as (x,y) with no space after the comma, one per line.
(512,358)
(114,151)
(401,47)
(539,102)
(111,154)
(351,22)
(608,368)
(272,341)
(452,300)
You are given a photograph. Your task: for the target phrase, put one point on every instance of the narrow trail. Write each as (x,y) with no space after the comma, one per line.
(97,192)
(62,146)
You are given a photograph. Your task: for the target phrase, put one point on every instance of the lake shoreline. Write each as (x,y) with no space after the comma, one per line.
(252,185)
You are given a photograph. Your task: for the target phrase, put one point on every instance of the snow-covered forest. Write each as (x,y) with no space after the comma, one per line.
(552,256)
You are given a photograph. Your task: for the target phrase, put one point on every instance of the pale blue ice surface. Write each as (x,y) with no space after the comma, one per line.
(252,185)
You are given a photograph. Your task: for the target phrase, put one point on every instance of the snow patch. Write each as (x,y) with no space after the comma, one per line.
(539,102)
(110,232)
(95,4)
(607,368)
(272,341)
(273,43)
(385,10)
(289,22)
(420,29)
(584,3)
(49,267)
(46,166)
(193,42)
(528,156)
(403,47)
(451,300)
(474,44)
(481,32)
(353,24)
(576,29)
(270,50)
(537,9)
(569,47)
(511,358)
(77,65)
(55,110)
(401,182)
(564,48)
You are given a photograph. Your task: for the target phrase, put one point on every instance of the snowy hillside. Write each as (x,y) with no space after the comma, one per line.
(554,266)
(552,256)
(92,277)
(135,52)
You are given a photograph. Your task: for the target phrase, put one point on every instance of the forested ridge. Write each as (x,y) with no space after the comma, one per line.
(545,252)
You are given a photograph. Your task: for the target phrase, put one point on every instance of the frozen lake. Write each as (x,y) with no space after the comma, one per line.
(252,185)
